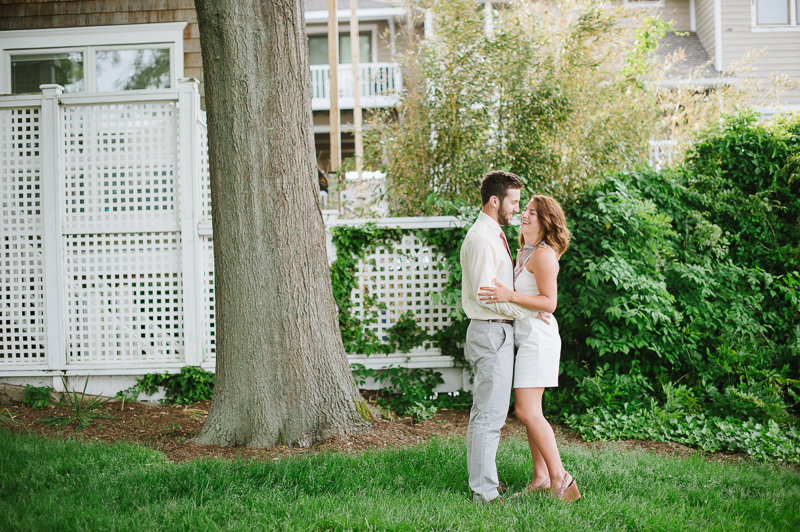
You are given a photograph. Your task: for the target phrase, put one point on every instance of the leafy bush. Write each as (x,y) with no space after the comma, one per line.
(410,389)
(543,95)
(37,397)
(680,286)
(191,385)
(766,441)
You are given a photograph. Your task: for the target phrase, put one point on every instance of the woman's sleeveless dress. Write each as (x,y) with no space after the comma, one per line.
(538,343)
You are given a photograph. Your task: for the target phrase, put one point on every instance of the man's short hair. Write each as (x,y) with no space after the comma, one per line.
(497,183)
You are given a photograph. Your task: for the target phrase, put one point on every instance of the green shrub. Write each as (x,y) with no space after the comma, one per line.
(37,397)
(680,286)
(191,385)
(410,390)
(767,441)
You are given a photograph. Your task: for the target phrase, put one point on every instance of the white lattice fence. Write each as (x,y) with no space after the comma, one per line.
(22,298)
(121,239)
(402,279)
(106,235)
(209,303)
(120,164)
(124,298)
(205,176)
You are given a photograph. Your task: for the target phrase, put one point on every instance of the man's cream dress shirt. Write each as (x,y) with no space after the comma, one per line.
(483,259)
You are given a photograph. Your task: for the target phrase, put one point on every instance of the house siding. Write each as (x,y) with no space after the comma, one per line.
(705,25)
(782,48)
(676,11)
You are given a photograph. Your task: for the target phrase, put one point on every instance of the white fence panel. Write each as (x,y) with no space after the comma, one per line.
(22,298)
(124,298)
(120,162)
(402,279)
(209,310)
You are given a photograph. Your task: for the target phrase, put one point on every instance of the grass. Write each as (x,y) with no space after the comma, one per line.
(75,485)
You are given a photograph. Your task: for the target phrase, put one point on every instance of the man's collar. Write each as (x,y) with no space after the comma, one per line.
(491,222)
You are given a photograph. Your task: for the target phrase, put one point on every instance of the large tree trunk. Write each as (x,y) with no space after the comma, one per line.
(282,373)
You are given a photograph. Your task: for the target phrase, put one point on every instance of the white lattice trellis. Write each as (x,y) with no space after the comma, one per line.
(209,305)
(22,327)
(205,177)
(124,298)
(402,279)
(120,164)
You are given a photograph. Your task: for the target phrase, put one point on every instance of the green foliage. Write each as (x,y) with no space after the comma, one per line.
(7,418)
(420,412)
(680,287)
(353,244)
(37,397)
(411,390)
(81,410)
(406,334)
(543,96)
(191,385)
(766,441)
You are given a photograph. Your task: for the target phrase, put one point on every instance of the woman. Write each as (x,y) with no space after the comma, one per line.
(544,237)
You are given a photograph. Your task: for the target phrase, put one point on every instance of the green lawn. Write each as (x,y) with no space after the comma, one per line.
(74,485)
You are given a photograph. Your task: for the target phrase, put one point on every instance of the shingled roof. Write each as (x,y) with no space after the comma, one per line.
(696,56)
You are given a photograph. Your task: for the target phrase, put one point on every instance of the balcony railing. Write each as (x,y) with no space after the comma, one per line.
(380,85)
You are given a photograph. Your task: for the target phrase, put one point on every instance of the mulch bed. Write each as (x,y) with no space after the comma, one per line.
(169,430)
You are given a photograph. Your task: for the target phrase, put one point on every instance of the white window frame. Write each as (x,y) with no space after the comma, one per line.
(794,22)
(345,28)
(89,40)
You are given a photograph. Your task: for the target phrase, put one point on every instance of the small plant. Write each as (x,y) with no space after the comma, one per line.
(191,385)
(420,412)
(406,388)
(8,418)
(37,397)
(81,410)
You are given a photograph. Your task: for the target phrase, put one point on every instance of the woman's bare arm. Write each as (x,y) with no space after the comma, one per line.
(544,266)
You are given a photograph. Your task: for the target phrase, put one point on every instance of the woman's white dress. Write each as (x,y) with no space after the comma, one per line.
(538,343)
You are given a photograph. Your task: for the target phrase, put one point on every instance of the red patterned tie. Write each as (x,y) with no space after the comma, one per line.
(505,243)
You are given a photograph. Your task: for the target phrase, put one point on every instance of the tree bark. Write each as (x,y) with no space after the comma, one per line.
(281,373)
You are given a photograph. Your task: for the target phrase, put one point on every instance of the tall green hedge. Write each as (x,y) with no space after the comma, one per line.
(679,287)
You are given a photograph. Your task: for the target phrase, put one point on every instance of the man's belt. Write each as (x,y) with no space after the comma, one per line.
(507,322)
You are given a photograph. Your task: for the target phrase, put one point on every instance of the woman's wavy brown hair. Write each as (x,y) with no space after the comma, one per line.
(553,222)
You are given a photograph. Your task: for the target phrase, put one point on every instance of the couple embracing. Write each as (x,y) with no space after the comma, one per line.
(510,311)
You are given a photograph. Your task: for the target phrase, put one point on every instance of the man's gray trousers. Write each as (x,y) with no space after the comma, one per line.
(490,350)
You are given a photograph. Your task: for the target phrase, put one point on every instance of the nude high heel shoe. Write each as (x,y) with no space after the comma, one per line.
(534,489)
(568,492)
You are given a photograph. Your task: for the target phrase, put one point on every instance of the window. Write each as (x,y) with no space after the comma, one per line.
(776,13)
(92,59)
(318,48)
(123,70)
(28,71)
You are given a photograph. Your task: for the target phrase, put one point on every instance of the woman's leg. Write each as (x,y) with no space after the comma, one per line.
(540,472)
(528,408)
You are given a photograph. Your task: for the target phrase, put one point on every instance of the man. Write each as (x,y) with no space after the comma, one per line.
(485,256)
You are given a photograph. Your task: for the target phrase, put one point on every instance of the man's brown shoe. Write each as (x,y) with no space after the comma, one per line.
(502,488)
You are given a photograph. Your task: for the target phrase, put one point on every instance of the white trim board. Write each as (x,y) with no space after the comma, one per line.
(170,33)
(362,14)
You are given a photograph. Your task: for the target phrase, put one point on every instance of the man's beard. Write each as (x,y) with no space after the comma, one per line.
(503,216)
